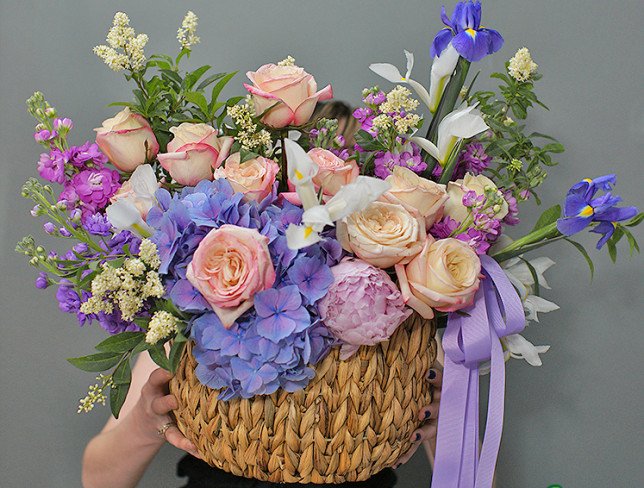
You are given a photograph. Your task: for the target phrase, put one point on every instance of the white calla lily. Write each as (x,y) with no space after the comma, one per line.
(390,73)
(351,198)
(124,215)
(300,170)
(442,69)
(463,123)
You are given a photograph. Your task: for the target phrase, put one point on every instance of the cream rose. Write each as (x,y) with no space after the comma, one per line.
(444,277)
(413,192)
(127,140)
(254,177)
(454,207)
(193,153)
(230,265)
(333,172)
(291,91)
(383,234)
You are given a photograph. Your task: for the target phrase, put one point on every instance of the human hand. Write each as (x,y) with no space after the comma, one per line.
(429,414)
(153,409)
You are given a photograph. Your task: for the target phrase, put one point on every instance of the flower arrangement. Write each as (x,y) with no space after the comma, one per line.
(254,231)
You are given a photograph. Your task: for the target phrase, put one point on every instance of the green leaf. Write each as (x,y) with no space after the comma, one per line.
(199,100)
(612,250)
(172,76)
(122,342)
(96,362)
(216,90)
(635,220)
(584,253)
(632,242)
(208,81)
(548,217)
(118,394)
(192,78)
(554,147)
(157,353)
(122,375)
(176,352)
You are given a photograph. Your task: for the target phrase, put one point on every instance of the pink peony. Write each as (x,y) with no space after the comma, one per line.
(363,307)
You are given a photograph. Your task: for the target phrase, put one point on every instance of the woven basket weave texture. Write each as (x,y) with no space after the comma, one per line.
(354,418)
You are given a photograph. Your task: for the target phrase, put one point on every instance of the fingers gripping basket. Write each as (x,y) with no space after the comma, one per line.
(354,418)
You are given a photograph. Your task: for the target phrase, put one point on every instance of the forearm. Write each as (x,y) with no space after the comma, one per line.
(118,457)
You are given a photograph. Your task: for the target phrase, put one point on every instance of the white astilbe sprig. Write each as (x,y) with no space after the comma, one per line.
(187,33)
(125,49)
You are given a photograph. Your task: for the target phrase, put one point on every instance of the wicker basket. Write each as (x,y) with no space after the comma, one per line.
(354,418)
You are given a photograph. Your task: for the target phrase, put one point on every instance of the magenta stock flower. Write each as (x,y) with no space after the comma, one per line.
(95,187)
(51,167)
(363,306)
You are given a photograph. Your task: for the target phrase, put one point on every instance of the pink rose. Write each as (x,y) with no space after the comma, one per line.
(230,265)
(291,89)
(413,192)
(194,152)
(362,307)
(444,276)
(127,140)
(333,172)
(254,178)
(383,234)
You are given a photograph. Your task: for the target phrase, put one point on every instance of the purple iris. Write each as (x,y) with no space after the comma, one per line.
(280,313)
(464,31)
(581,208)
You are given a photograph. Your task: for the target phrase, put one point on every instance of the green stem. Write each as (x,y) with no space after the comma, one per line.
(283,185)
(449,168)
(542,236)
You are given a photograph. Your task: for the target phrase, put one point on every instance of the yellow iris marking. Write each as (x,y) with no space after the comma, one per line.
(403,79)
(587,180)
(471,32)
(298,175)
(587,211)
(308,231)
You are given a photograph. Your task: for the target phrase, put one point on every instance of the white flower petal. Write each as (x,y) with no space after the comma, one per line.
(301,167)
(534,304)
(428,146)
(317,217)
(300,236)
(125,216)
(410,63)
(421,91)
(356,196)
(442,69)
(388,71)
(521,348)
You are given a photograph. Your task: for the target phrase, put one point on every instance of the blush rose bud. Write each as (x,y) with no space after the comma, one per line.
(127,140)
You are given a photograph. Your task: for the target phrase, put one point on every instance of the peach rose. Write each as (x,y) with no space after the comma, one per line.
(454,207)
(230,265)
(444,276)
(254,178)
(127,140)
(333,172)
(383,234)
(193,153)
(413,192)
(291,90)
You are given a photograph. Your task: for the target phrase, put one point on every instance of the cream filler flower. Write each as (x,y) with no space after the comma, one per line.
(390,73)
(186,35)
(521,66)
(463,123)
(351,198)
(125,47)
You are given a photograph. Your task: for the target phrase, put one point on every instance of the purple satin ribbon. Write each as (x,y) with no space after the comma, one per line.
(470,339)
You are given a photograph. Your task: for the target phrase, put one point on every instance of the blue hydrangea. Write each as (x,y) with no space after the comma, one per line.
(274,344)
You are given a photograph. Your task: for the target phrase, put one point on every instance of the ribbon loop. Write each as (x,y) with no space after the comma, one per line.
(470,338)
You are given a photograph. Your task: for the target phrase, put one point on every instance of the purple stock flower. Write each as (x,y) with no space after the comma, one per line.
(114,324)
(64,123)
(312,277)
(42,281)
(464,31)
(409,158)
(475,239)
(49,227)
(472,160)
(95,187)
(444,228)
(97,224)
(82,156)
(51,167)
(69,301)
(280,313)
(45,135)
(513,208)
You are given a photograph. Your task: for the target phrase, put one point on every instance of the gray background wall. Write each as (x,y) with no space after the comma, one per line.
(575,421)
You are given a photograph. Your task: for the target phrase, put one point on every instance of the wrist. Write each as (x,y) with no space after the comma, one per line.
(144,427)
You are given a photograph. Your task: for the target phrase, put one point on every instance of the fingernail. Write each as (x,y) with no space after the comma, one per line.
(417,436)
(432,374)
(428,414)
